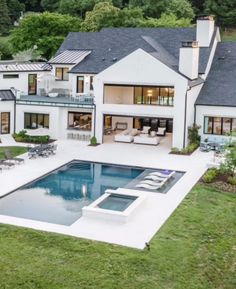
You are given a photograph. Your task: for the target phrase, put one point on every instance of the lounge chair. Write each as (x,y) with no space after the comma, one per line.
(6,164)
(10,158)
(149,187)
(154,178)
(163,174)
(152,183)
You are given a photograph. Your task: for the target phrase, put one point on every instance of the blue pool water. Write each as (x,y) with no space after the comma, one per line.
(117,202)
(60,196)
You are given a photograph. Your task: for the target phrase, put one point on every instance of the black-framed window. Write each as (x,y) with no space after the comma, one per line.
(36,120)
(219,125)
(10,76)
(5,122)
(154,95)
(62,73)
(80,84)
(80,120)
(32,84)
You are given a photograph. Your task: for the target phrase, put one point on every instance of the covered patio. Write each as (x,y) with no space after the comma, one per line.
(138,130)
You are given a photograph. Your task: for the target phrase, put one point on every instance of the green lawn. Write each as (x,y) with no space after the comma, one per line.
(196,248)
(15,151)
(229,34)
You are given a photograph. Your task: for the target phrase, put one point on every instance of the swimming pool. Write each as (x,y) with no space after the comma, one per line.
(60,196)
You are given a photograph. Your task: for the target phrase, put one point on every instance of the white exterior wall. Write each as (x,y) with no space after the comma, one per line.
(205,30)
(214,46)
(8,106)
(64,84)
(73,78)
(220,111)
(58,119)
(188,61)
(191,99)
(21,83)
(140,68)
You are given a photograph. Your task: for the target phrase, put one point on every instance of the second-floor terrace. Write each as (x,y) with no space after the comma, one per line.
(139,95)
(57,99)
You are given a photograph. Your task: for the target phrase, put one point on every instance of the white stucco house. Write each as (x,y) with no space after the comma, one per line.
(119,81)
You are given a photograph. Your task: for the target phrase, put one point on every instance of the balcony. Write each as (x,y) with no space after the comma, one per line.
(53,99)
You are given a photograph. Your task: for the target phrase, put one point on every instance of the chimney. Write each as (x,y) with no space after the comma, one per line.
(189,59)
(205,30)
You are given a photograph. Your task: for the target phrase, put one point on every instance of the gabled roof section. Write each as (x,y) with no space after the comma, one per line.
(220,86)
(70,57)
(6,94)
(24,67)
(112,44)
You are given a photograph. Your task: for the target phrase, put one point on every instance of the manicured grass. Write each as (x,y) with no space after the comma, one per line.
(229,34)
(15,151)
(195,249)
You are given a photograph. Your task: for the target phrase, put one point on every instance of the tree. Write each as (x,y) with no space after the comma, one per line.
(32,5)
(181,8)
(15,8)
(229,165)
(45,32)
(80,7)
(50,5)
(5,22)
(151,8)
(104,14)
(225,11)
(166,20)
(5,50)
(198,6)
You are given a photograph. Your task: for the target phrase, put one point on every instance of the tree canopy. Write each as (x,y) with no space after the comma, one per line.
(44,32)
(5,21)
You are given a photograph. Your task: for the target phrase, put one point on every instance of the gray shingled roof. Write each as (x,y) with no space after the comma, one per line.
(70,57)
(6,94)
(220,86)
(112,44)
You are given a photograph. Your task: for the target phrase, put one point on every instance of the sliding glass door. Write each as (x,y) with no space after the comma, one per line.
(5,122)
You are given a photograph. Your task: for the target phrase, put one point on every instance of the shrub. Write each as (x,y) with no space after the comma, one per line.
(232,181)
(93,141)
(23,137)
(210,175)
(193,136)
(185,151)
(175,150)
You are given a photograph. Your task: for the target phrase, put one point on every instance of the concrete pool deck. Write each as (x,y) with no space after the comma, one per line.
(149,217)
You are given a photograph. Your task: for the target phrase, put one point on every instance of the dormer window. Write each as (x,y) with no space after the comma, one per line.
(62,73)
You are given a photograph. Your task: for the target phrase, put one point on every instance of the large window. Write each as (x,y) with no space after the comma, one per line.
(36,120)
(80,84)
(154,95)
(5,123)
(62,73)
(80,120)
(219,125)
(10,76)
(32,84)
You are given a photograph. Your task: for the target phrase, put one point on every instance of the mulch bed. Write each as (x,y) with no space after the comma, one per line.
(221,184)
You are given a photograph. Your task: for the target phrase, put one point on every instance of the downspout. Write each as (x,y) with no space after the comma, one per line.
(185,117)
(195,112)
(94,120)
(14,128)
